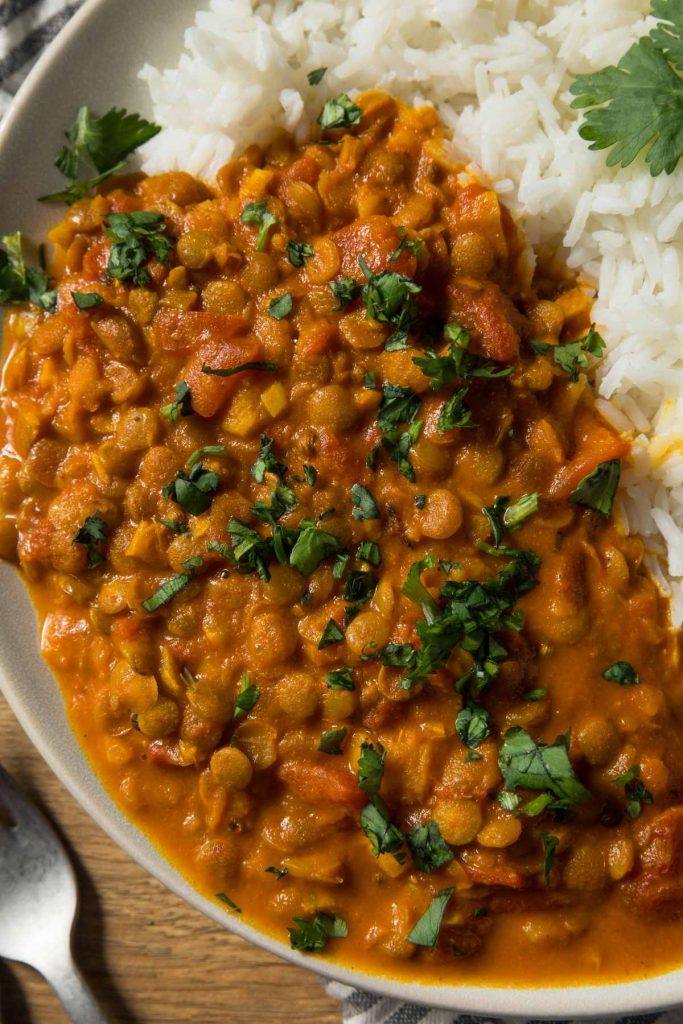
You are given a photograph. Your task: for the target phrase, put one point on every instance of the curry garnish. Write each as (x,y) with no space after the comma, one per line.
(253,365)
(19,283)
(340,679)
(383,834)
(598,489)
(86,300)
(428,848)
(572,356)
(228,902)
(332,740)
(550,844)
(138,237)
(281,306)
(193,491)
(246,698)
(299,252)
(388,298)
(345,291)
(171,587)
(331,634)
(258,213)
(266,462)
(473,725)
(623,673)
(426,930)
(312,935)
(181,404)
(526,763)
(316,76)
(93,534)
(635,790)
(339,112)
(371,767)
(364,505)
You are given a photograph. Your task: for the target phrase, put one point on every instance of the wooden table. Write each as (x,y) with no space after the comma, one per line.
(151,958)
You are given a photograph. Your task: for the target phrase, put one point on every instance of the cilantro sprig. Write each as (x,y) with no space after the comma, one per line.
(137,237)
(637,106)
(105,142)
(19,283)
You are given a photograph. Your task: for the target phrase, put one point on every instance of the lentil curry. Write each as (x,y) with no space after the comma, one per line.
(307,481)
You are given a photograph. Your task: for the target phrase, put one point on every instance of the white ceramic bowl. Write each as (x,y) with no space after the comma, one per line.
(95,60)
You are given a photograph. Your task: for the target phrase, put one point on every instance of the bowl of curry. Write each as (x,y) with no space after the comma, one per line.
(306,480)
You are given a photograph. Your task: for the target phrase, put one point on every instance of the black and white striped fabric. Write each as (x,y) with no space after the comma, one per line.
(26,28)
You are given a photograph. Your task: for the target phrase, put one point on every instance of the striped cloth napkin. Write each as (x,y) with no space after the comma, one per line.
(26,28)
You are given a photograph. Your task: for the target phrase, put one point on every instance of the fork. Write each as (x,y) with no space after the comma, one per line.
(38,901)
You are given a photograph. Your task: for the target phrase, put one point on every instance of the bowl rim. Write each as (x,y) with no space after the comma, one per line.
(661,992)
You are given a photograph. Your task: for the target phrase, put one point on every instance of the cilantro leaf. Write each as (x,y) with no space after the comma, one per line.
(106,140)
(369,381)
(550,844)
(345,291)
(428,847)
(316,77)
(364,505)
(93,533)
(311,936)
(426,929)
(384,836)
(527,764)
(371,767)
(86,300)
(597,490)
(209,450)
(331,634)
(413,245)
(331,741)
(175,526)
(472,725)
(250,551)
(256,213)
(340,679)
(667,35)
(246,698)
(168,590)
(458,362)
(257,364)
(571,355)
(368,551)
(623,673)
(399,405)
(19,283)
(299,252)
(282,500)
(181,404)
(388,299)
(636,792)
(339,112)
(414,589)
(281,306)
(137,237)
(194,491)
(311,547)
(266,462)
(635,106)
(227,902)
(278,872)
(455,412)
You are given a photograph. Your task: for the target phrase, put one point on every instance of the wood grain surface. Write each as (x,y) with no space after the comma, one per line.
(150,958)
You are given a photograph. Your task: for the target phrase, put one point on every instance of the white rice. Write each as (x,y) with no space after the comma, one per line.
(499,72)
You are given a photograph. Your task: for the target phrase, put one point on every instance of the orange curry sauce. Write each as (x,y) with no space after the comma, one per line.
(217,716)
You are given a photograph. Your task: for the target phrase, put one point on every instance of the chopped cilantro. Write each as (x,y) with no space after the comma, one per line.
(181,404)
(636,792)
(266,462)
(550,844)
(371,767)
(92,534)
(310,475)
(458,362)
(246,698)
(535,695)
(331,741)
(455,413)
(340,679)
(257,213)
(86,300)
(175,526)
(19,283)
(384,836)
(426,930)
(597,490)
(312,936)
(571,355)
(345,291)
(257,364)
(472,725)
(168,590)
(299,252)
(278,872)
(137,237)
(368,551)
(622,672)
(226,901)
(428,847)
(315,77)
(331,634)
(208,451)
(282,500)
(527,764)
(369,381)
(420,500)
(194,491)
(281,306)
(339,112)
(413,245)
(399,405)
(311,547)
(364,505)
(388,299)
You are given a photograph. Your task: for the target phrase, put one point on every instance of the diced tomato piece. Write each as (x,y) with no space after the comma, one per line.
(483,308)
(317,783)
(595,444)
(495,874)
(374,238)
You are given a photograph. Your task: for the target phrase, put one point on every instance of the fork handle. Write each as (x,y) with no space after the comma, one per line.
(73,991)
